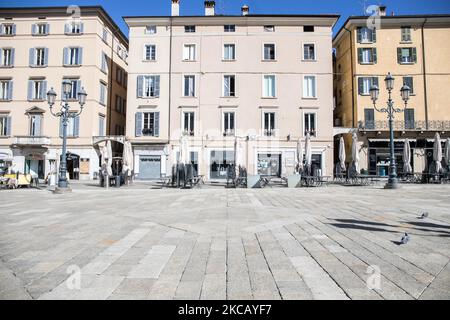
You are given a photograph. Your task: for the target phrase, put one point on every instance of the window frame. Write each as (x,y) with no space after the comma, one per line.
(234,95)
(309,113)
(189,28)
(151,27)
(303,52)
(145,52)
(269,132)
(190,132)
(185,46)
(232,132)
(402,34)
(184,85)
(315,86)
(264,52)
(263,86)
(233,29)
(224,50)
(269,28)
(10,56)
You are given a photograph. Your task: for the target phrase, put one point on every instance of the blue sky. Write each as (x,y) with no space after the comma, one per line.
(117,9)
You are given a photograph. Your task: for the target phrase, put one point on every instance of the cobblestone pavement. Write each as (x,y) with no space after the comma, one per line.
(213,243)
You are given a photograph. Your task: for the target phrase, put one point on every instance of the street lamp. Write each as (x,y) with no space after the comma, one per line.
(390,110)
(65,114)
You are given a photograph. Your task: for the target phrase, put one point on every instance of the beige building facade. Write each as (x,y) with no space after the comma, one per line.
(264,80)
(415,50)
(39,49)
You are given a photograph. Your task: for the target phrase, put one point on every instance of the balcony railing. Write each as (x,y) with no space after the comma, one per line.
(228,133)
(421,125)
(31,141)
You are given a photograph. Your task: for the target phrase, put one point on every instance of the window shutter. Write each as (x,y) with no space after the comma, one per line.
(140,86)
(138,124)
(67,28)
(32,56)
(374,35)
(156,124)
(374,55)
(360,55)
(360,85)
(8,126)
(34,29)
(66,56)
(399,55)
(414,54)
(14,29)
(30,90)
(13,53)
(1,29)
(10,90)
(78,86)
(409,119)
(359,35)
(375,81)
(81,27)
(47,28)
(80,56)
(46,56)
(43,90)
(157,86)
(76,126)
(37,124)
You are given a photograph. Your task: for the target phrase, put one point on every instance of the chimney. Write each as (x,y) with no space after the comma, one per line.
(209,8)
(245,10)
(382,11)
(175,8)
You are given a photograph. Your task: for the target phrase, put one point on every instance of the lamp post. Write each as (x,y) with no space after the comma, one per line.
(65,114)
(391,111)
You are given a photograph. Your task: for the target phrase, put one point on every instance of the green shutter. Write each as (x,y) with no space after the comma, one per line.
(374,35)
(360,55)
(358,35)
(399,55)
(414,54)
(374,55)
(360,85)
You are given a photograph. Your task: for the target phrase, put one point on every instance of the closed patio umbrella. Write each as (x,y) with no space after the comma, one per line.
(342,154)
(447,153)
(355,153)
(299,156)
(407,157)
(127,159)
(109,157)
(437,152)
(308,153)
(184,150)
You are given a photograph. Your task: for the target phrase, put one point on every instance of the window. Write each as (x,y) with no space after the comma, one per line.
(7,57)
(219,162)
(105,35)
(149,124)
(189,29)
(410,83)
(367,55)
(409,119)
(228,123)
(269,124)
(74,28)
(269,52)
(120,76)
(104,63)
(229,86)
(189,52)
(101,125)
(7,29)
(73,56)
(309,51)
(189,86)
(148,86)
(103,91)
(269,86)
(369,118)
(308,28)
(406,34)
(6,90)
(406,55)
(269,28)
(229,51)
(37,90)
(309,87)
(120,104)
(366,35)
(310,124)
(5,126)
(35,125)
(76,87)
(365,83)
(150,52)
(188,123)
(150,29)
(38,57)
(40,29)
(229,28)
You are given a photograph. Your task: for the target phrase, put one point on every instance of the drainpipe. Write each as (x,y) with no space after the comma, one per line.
(170,79)
(424,75)
(353,82)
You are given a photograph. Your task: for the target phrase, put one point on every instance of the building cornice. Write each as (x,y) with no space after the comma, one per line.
(255,20)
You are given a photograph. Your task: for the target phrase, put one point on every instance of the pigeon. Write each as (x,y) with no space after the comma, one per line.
(424,215)
(405,239)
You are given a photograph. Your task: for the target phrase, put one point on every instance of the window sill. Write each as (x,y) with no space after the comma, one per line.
(366,42)
(5,100)
(228,60)
(148,97)
(185,60)
(74,34)
(37,100)
(5,137)
(6,67)
(309,60)
(72,65)
(309,98)
(40,35)
(144,60)
(407,63)
(269,98)
(406,42)
(7,35)
(367,63)
(39,67)
(228,97)
(269,60)
(189,97)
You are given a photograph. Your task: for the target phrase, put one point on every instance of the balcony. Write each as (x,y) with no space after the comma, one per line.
(228,133)
(31,141)
(421,125)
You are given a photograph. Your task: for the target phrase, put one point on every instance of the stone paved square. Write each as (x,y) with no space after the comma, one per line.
(213,243)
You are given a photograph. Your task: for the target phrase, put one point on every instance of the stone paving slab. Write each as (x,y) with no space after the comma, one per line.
(214,243)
